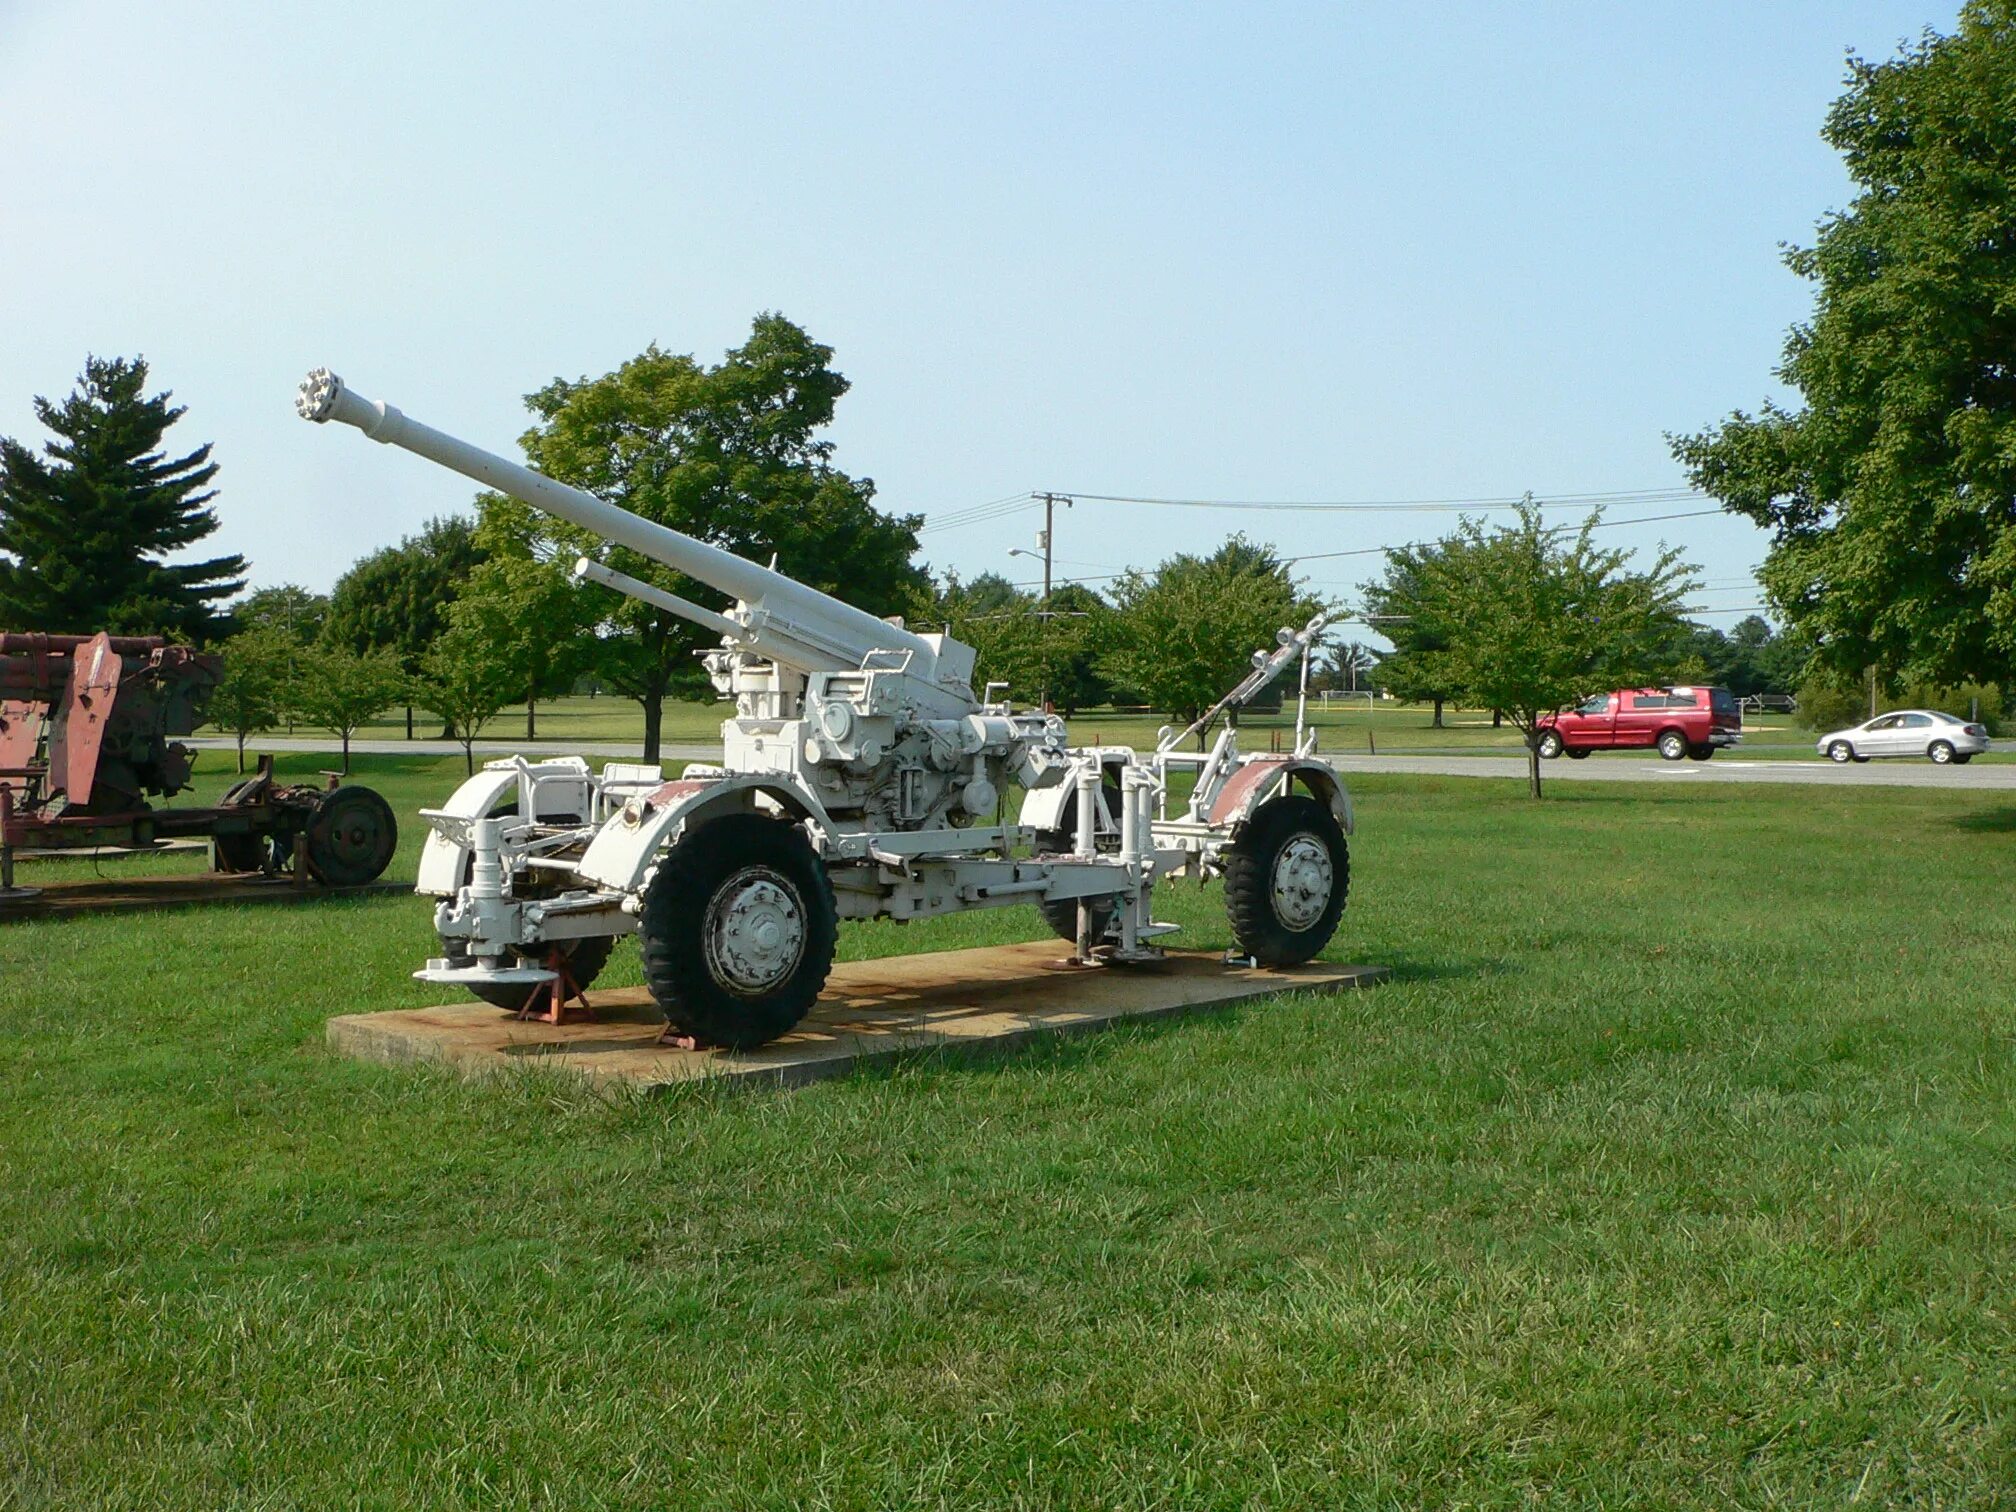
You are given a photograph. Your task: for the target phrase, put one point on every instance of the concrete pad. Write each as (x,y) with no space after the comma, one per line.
(975,1000)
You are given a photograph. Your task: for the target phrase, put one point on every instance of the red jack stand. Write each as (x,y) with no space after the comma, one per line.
(550,1000)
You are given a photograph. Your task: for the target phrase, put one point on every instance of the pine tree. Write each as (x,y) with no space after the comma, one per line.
(86,530)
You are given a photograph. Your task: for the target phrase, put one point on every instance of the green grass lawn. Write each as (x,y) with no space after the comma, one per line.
(1675,1167)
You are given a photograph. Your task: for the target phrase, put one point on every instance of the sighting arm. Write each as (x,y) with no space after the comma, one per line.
(1292,644)
(587,569)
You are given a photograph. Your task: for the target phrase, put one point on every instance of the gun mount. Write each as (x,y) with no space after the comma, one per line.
(88,727)
(870,719)
(861,778)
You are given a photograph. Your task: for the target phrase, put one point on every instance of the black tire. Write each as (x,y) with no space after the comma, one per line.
(1939,752)
(1578,753)
(351,837)
(1673,745)
(1961,758)
(586,957)
(705,985)
(1061,914)
(1700,752)
(1551,745)
(1251,865)
(1840,752)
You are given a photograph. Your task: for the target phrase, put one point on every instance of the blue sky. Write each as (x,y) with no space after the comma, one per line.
(1322,252)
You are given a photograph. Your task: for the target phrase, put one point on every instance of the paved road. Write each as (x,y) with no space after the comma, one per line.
(1595,769)
(1688,773)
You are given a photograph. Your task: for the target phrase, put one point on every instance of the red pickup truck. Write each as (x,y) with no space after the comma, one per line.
(1677,722)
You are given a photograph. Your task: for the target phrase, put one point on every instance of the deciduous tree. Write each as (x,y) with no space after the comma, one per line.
(1890,492)
(286,607)
(251,697)
(467,675)
(340,690)
(1535,617)
(731,454)
(1395,604)
(1185,634)
(89,529)
(396,599)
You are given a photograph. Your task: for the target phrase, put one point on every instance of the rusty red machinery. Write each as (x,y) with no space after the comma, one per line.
(87,737)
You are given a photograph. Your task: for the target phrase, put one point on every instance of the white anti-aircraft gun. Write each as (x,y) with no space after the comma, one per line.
(861,778)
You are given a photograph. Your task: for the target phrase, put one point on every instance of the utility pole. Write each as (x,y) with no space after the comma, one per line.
(1050,503)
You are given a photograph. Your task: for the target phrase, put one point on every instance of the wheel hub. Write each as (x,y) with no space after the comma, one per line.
(1302,881)
(755,931)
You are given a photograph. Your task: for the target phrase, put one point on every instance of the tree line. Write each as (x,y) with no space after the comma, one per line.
(467,617)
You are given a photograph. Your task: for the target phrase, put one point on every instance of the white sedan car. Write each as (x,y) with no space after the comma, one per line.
(1908,732)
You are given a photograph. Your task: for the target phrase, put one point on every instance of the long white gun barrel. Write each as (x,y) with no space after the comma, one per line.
(785,620)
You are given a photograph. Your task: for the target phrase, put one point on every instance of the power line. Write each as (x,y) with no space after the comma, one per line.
(1668,495)
(974,514)
(1321,556)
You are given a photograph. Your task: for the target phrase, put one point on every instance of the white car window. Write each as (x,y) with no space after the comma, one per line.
(1887,722)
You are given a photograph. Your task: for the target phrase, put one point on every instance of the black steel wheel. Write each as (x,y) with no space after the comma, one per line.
(738,930)
(351,837)
(585,959)
(1286,878)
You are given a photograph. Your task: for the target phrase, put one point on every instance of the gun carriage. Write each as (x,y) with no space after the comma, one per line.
(861,778)
(87,736)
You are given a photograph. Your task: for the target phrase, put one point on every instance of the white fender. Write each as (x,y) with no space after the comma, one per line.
(1259,778)
(626,848)
(444,863)
(1043,808)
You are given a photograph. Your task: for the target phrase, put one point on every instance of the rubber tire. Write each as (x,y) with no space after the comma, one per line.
(1932,752)
(1672,745)
(1551,745)
(1249,873)
(1061,914)
(342,867)
(1840,752)
(1700,753)
(1961,758)
(1575,754)
(674,917)
(586,956)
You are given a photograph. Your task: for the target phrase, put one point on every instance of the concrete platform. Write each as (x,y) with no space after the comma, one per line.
(970,1000)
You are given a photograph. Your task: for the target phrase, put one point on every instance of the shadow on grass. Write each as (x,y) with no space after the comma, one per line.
(1075,1046)
(1997,821)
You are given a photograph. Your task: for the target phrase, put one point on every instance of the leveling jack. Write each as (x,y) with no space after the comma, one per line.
(549,1001)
